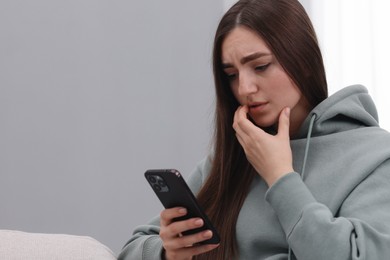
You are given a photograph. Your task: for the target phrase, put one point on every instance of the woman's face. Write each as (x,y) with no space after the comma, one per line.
(259,81)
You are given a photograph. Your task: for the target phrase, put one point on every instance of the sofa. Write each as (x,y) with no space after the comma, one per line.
(18,245)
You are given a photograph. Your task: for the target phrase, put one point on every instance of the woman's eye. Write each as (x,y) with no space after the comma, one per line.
(231,76)
(262,67)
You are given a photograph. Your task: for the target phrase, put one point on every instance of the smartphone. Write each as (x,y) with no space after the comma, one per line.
(172,190)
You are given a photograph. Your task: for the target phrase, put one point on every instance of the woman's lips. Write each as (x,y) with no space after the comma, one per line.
(257,107)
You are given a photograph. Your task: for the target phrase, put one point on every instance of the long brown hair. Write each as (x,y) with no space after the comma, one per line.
(288,32)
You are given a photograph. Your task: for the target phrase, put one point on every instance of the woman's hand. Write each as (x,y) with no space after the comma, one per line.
(180,247)
(270,155)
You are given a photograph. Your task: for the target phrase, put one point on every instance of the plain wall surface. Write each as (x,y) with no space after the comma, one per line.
(93,93)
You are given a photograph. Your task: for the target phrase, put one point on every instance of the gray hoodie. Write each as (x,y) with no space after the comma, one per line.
(336,205)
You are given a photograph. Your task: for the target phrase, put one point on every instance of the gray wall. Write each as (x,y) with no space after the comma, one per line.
(306,5)
(93,93)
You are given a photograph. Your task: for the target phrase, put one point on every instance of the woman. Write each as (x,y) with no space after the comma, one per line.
(293,173)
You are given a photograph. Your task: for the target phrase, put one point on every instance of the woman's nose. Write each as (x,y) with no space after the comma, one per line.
(247,85)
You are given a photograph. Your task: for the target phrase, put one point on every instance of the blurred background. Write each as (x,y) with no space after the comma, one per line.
(94,92)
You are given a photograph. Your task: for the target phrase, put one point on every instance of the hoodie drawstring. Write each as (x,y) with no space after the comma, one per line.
(312,119)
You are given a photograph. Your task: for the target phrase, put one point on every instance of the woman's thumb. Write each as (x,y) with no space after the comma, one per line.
(284,122)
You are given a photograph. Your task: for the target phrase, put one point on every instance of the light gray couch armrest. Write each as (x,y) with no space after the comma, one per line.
(17,245)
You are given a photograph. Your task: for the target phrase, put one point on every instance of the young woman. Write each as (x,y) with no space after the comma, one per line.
(293,173)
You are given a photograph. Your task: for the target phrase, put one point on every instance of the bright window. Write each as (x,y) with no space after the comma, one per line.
(355,40)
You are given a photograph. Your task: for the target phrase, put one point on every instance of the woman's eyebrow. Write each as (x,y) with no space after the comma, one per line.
(247,59)
(253,56)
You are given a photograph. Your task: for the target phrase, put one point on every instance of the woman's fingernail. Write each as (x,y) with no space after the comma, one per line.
(182,211)
(199,222)
(207,234)
(287,111)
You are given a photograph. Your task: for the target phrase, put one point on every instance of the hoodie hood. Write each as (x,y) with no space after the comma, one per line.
(350,108)
(347,109)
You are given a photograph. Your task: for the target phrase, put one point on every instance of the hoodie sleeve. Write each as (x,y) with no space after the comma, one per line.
(145,244)
(361,229)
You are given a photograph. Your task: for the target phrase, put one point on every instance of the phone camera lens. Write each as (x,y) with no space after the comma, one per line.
(152,179)
(157,187)
(162,183)
(158,183)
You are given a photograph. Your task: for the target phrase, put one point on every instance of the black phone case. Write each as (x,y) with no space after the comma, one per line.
(173,191)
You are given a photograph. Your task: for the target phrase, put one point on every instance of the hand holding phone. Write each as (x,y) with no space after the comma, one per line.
(172,190)
(177,246)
